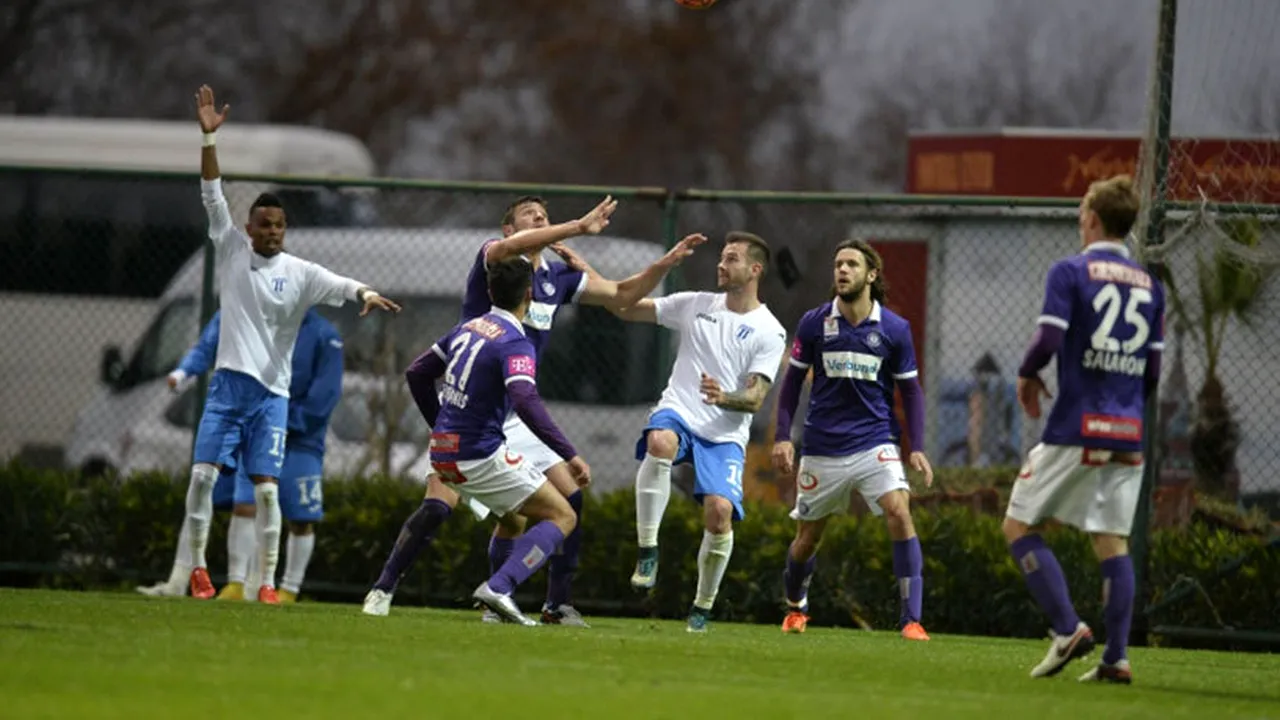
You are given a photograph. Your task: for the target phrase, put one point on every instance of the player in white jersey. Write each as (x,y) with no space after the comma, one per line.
(730,348)
(264,293)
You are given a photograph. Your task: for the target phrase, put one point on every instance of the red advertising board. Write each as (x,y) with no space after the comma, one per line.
(1047,163)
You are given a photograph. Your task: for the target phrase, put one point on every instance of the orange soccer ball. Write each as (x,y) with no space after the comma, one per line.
(696,4)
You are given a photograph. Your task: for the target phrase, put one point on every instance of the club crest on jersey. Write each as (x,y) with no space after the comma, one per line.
(277,284)
(548,288)
(830,328)
(873,339)
(744,331)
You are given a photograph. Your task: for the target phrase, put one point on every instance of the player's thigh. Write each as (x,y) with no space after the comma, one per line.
(1116,500)
(265,442)
(301,487)
(1054,483)
(878,474)
(822,487)
(718,471)
(665,435)
(546,503)
(219,434)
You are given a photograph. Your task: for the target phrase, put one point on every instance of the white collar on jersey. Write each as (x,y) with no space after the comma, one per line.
(1112,246)
(873,317)
(506,315)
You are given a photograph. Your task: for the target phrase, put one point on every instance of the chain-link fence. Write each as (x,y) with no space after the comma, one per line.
(101,282)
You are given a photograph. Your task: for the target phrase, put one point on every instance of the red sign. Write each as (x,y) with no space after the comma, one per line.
(1023,163)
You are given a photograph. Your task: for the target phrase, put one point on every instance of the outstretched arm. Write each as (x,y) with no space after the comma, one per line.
(537,239)
(625,293)
(643,311)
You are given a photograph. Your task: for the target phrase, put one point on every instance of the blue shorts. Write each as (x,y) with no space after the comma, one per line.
(717,467)
(301,494)
(244,425)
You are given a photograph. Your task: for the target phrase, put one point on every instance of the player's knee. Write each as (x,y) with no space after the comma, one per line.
(1014,529)
(804,546)
(510,526)
(717,514)
(204,473)
(1106,546)
(301,529)
(438,490)
(263,479)
(244,510)
(662,444)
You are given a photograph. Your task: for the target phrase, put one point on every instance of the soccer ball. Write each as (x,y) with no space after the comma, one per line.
(696,4)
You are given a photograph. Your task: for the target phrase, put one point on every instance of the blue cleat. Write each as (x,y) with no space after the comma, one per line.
(646,574)
(698,620)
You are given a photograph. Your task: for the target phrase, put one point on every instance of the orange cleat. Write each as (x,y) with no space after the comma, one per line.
(914,631)
(201,585)
(795,622)
(267,596)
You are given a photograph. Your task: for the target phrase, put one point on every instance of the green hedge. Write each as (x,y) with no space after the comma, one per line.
(59,530)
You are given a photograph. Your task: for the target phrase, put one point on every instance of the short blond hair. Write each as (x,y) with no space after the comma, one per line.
(1116,202)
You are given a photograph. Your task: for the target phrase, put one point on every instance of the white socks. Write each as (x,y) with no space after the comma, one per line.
(181,572)
(653,490)
(200,510)
(296,560)
(241,543)
(267,522)
(713,558)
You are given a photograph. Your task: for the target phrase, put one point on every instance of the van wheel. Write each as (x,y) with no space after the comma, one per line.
(96,468)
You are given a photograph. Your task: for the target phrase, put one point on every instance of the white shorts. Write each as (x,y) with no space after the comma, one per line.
(1086,489)
(522,440)
(500,482)
(823,484)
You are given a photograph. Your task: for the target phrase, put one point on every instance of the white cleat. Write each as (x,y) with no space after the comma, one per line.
(503,605)
(1064,649)
(564,615)
(377,603)
(163,589)
(490,617)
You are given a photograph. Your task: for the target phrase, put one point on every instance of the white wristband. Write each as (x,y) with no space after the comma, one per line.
(209,139)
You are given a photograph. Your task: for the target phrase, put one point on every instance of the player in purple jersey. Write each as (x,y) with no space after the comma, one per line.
(1103,319)
(526,233)
(859,351)
(488,368)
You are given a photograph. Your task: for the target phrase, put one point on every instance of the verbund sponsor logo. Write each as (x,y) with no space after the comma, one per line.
(857,366)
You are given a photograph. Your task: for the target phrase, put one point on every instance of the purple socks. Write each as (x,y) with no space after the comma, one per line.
(564,564)
(531,551)
(415,534)
(908,566)
(1117,593)
(796,579)
(1047,584)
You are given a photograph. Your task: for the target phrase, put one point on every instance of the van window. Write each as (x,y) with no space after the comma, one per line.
(124,235)
(168,338)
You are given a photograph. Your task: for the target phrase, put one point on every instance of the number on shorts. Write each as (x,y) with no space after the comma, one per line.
(735,477)
(456,349)
(310,491)
(277,443)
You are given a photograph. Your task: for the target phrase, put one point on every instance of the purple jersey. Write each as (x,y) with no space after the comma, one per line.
(483,356)
(1112,312)
(554,284)
(854,373)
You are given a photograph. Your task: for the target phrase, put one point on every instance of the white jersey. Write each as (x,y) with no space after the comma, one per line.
(725,345)
(263,299)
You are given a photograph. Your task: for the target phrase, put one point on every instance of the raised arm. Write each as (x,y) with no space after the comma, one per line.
(538,239)
(644,311)
(215,204)
(625,293)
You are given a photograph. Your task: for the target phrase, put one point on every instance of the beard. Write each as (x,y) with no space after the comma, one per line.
(853,292)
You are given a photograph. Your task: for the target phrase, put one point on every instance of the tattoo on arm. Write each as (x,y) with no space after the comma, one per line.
(749,399)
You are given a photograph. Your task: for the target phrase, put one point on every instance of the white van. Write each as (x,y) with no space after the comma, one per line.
(599,376)
(86,251)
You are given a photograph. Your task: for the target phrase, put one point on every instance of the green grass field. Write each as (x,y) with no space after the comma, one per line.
(77,655)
